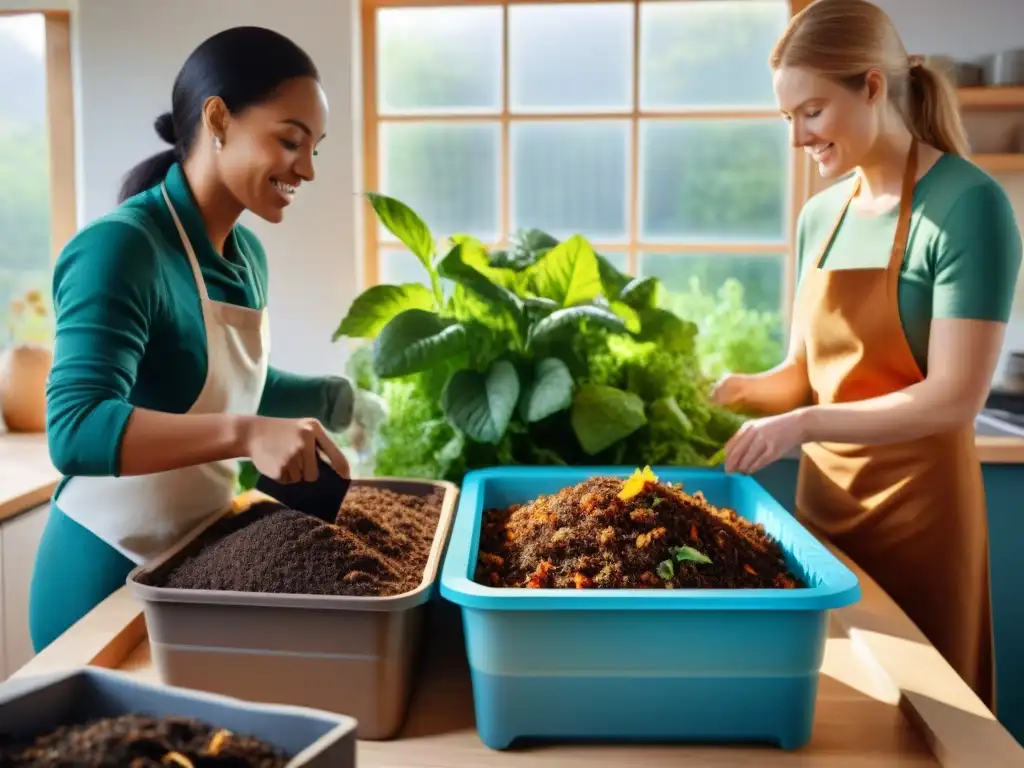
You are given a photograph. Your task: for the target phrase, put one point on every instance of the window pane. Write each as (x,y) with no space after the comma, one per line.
(708,54)
(618,259)
(714,180)
(396,266)
(760,276)
(593,73)
(447,172)
(24,177)
(570,177)
(439,59)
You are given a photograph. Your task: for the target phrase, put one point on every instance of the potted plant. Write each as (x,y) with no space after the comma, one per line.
(544,353)
(25,364)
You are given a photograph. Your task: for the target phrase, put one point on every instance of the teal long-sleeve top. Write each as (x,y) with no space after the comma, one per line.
(130,334)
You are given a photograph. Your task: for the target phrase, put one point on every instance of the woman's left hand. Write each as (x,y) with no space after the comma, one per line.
(759,442)
(368,413)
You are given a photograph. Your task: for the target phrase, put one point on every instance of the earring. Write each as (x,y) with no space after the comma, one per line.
(218,145)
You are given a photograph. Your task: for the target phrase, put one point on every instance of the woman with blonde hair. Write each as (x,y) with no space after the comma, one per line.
(907,267)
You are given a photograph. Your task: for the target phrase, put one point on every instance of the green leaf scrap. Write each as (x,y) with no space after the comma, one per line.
(688,554)
(480,405)
(377,306)
(666,569)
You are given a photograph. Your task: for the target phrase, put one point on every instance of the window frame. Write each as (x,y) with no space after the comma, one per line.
(60,123)
(371,246)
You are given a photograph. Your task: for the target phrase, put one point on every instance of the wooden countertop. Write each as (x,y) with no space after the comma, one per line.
(886,698)
(27,477)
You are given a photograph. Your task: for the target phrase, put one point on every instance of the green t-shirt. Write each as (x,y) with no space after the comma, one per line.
(130,332)
(963,252)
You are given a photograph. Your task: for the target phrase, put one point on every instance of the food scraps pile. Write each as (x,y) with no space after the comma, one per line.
(379,545)
(139,741)
(633,534)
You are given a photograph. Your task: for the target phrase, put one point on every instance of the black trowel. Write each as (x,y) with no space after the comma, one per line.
(320,498)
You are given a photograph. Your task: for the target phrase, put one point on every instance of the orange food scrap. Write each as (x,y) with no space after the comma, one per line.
(636,483)
(540,575)
(582,581)
(693,532)
(178,759)
(749,569)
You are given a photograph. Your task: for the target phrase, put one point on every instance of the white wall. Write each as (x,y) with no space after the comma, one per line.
(126,55)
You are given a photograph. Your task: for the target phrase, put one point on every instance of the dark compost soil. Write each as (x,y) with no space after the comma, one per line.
(585,536)
(138,741)
(379,546)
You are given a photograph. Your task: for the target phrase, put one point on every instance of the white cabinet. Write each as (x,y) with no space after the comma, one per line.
(19,540)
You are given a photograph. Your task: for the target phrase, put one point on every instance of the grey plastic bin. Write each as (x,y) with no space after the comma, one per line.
(32,706)
(352,655)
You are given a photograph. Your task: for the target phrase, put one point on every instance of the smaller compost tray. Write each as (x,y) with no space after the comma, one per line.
(32,706)
(352,655)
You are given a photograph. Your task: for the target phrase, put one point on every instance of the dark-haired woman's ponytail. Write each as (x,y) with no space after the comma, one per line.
(152,170)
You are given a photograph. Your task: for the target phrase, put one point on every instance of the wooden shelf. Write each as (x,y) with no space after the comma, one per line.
(992,97)
(1012,163)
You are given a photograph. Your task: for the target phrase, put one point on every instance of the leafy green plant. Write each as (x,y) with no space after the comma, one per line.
(543,353)
(733,337)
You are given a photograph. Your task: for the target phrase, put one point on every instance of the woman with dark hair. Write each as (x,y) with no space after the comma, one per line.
(160,378)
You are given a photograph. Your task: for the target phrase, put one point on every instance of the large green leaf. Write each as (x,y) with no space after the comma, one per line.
(666,412)
(602,415)
(550,390)
(416,340)
(458,265)
(612,280)
(629,315)
(568,273)
(547,328)
(401,221)
(669,329)
(528,245)
(375,307)
(481,404)
(475,254)
(641,293)
(540,305)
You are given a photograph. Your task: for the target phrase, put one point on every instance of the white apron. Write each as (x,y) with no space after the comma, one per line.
(143,515)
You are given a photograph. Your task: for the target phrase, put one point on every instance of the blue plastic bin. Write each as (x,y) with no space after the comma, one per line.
(690,665)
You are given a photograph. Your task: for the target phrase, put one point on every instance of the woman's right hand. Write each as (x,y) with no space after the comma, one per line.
(285,449)
(730,390)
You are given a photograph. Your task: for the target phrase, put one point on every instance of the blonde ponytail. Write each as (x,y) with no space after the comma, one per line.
(844,39)
(933,110)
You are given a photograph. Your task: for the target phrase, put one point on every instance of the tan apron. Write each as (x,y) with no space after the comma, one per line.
(911,514)
(142,515)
